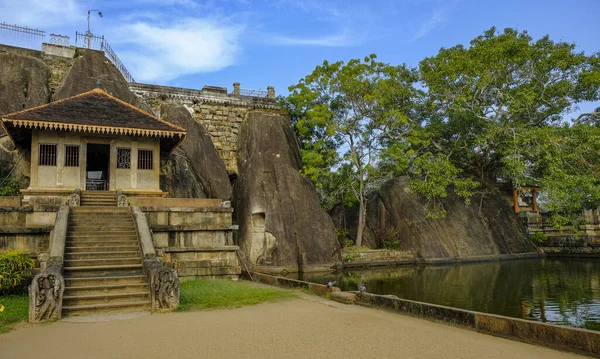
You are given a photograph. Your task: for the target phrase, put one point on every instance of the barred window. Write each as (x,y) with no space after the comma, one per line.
(123,157)
(144,159)
(71,156)
(47,155)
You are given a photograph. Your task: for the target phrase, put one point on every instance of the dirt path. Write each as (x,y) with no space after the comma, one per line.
(301,328)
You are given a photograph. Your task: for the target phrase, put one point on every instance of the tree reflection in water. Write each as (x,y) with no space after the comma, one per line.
(558,291)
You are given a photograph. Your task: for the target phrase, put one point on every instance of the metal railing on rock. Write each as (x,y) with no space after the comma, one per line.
(91,41)
(21,36)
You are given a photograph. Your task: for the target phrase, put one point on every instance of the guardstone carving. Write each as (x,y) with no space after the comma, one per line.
(74,200)
(46,296)
(164,285)
(122,199)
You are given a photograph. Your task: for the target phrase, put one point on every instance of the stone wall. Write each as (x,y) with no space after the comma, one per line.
(198,242)
(580,240)
(220,112)
(26,228)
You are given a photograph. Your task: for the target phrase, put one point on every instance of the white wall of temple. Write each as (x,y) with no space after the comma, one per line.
(51,171)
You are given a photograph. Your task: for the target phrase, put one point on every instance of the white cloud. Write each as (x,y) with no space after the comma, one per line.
(41,13)
(436,18)
(157,53)
(336,40)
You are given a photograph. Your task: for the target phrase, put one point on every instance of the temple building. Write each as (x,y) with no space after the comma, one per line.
(92,141)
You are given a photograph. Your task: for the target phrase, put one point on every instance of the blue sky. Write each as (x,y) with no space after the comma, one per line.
(191,43)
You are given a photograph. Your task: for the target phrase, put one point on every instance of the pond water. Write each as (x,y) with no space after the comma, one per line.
(557,291)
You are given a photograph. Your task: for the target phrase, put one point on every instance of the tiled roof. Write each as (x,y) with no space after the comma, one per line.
(93,111)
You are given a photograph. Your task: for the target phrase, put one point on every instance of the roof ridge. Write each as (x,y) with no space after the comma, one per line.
(102,92)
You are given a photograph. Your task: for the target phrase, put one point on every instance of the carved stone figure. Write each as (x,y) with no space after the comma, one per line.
(74,200)
(165,289)
(122,201)
(45,296)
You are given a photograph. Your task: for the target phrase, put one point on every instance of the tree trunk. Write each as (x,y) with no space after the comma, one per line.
(362,215)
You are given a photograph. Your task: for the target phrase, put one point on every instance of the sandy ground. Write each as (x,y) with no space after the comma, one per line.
(309,327)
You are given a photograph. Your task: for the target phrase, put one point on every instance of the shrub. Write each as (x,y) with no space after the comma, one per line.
(15,269)
(388,238)
(8,187)
(539,237)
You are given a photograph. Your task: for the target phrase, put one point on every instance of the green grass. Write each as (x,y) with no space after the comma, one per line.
(222,293)
(16,309)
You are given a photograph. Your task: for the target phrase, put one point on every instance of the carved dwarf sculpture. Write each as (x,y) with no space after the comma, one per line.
(74,200)
(45,296)
(165,289)
(122,201)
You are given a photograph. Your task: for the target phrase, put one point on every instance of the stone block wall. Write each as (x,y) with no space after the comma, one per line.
(223,124)
(26,228)
(198,242)
(220,112)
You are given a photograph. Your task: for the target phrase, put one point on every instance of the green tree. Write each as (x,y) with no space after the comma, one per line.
(344,114)
(497,110)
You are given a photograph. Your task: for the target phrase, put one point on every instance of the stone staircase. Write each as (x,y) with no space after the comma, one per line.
(103,265)
(98,198)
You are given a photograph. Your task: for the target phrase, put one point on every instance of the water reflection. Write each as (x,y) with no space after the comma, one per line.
(558,291)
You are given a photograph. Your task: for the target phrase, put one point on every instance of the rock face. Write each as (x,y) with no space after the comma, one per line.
(23,82)
(194,169)
(16,160)
(85,72)
(463,233)
(282,225)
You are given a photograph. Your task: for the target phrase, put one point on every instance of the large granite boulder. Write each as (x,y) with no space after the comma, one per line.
(23,82)
(466,231)
(281,224)
(194,169)
(90,67)
(14,161)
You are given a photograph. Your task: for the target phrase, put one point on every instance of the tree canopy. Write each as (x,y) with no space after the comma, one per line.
(504,109)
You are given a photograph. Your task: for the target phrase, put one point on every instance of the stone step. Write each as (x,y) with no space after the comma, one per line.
(105,241)
(103,270)
(100,289)
(101,255)
(92,262)
(104,233)
(98,197)
(142,305)
(102,247)
(112,218)
(98,210)
(94,204)
(110,227)
(73,282)
(104,298)
(101,244)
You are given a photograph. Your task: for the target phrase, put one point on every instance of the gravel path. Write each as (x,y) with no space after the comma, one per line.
(308,327)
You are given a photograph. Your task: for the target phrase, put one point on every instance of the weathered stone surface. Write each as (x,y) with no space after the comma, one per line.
(195,168)
(23,82)
(165,286)
(14,159)
(280,220)
(465,232)
(83,76)
(46,295)
(344,297)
